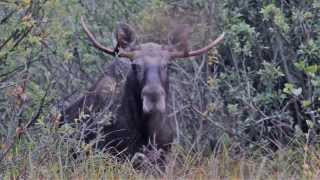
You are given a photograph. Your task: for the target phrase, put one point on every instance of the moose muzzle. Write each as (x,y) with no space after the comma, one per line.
(153,99)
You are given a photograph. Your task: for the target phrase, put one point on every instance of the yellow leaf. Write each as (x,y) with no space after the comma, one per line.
(67,56)
(26,2)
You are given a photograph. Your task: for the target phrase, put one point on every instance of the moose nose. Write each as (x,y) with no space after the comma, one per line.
(153,98)
(153,93)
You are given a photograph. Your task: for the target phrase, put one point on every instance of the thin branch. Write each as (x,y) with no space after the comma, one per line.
(9,38)
(26,32)
(19,68)
(5,19)
(19,130)
(43,99)
(229,132)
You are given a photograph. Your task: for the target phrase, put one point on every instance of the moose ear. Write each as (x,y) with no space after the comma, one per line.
(178,38)
(125,35)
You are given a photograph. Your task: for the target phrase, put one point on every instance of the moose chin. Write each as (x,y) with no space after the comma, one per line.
(141,119)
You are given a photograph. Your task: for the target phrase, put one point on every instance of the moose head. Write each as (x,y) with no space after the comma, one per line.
(149,61)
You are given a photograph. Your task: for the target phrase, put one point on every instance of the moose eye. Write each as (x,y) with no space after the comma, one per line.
(136,68)
(163,67)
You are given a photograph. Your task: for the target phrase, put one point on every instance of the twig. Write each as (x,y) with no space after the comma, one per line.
(8,39)
(27,31)
(229,132)
(20,131)
(3,155)
(33,120)
(3,20)
(21,67)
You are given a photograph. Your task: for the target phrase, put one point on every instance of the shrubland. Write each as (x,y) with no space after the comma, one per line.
(249,109)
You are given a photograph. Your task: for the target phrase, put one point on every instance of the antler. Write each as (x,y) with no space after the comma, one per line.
(199,51)
(99,46)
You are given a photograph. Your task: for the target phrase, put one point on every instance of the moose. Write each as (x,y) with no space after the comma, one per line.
(141,118)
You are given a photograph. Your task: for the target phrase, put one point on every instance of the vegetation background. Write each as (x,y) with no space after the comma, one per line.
(249,109)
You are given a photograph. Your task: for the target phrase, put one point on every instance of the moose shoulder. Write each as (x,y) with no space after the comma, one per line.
(141,118)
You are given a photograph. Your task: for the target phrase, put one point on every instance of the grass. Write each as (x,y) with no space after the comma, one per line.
(52,161)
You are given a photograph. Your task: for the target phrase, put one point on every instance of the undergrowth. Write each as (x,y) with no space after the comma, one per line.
(53,160)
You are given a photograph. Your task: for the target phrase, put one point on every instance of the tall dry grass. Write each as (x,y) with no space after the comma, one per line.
(52,161)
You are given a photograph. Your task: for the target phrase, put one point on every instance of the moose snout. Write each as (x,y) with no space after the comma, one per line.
(153,98)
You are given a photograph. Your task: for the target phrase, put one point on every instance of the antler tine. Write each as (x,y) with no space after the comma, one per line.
(199,51)
(99,46)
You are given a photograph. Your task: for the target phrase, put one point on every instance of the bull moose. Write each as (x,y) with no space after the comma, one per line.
(141,118)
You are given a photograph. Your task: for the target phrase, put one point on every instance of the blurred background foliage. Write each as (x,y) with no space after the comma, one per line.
(258,90)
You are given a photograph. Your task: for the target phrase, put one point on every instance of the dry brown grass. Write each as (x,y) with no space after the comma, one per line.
(301,162)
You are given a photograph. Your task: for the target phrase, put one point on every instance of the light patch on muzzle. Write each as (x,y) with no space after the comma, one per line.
(154,106)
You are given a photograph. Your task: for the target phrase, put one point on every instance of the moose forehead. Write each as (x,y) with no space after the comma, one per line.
(151,53)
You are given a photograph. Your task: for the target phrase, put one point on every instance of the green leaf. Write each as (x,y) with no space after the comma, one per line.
(310,123)
(67,56)
(273,13)
(311,69)
(288,88)
(306,103)
(300,65)
(297,92)
(232,108)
